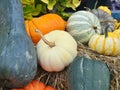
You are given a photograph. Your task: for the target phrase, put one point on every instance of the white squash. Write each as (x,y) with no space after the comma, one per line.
(82,25)
(58,54)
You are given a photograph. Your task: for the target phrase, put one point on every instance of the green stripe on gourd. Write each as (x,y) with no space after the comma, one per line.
(82,25)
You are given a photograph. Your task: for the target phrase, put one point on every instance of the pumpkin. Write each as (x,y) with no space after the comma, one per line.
(35,85)
(45,23)
(106,44)
(105,19)
(88,74)
(82,25)
(56,50)
(105,8)
(18,58)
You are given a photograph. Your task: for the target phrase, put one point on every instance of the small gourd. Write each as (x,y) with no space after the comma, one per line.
(46,23)
(56,50)
(105,19)
(82,25)
(107,44)
(88,74)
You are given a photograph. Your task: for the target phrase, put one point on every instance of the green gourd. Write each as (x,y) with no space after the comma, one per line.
(88,74)
(18,59)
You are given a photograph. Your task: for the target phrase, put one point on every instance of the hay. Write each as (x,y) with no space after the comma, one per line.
(59,79)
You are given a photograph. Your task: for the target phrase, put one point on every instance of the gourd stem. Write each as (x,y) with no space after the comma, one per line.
(95,28)
(88,9)
(51,44)
(106,31)
(95,6)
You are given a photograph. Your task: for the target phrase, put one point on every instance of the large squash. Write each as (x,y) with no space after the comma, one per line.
(18,59)
(88,74)
(82,25)
(45,23)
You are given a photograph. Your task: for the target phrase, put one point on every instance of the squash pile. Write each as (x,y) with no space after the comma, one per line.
(51,42)
(97,29)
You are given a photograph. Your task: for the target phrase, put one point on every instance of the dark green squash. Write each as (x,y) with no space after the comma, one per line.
(18,60)
(87,74)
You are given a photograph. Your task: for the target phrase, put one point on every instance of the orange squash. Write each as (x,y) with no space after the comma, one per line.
(45,24)
(36,85)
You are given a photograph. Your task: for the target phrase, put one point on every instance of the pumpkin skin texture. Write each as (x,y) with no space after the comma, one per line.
(35,85)
(109,45)
(56,58)
(88,74)
(45,23)
(105,19)
(82,25)
(18,58)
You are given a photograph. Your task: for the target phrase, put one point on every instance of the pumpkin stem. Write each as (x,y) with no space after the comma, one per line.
(106,31)
(95,28)
(51,44)
(88,9)
(95,6)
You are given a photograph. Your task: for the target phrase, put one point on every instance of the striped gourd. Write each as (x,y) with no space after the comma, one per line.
(109,45)
(82,25)
(105,19)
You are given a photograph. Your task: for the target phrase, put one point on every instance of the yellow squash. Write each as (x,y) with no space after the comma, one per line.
(105,8)
(109,45)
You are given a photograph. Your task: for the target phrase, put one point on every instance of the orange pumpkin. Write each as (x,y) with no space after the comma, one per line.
(45,24)
(36,85)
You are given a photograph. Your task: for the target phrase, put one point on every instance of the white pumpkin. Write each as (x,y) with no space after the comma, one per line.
(82,25)
(59,54)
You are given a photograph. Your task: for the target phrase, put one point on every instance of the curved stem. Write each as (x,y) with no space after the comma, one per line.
(88,9)
(51,44)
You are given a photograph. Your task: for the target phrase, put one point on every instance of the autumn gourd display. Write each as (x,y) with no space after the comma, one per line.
(105,19)
(107,44)
(18,59)
(45,23)
(82,25)
(88,74)
(35,85)
(105,8)
(56,50)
